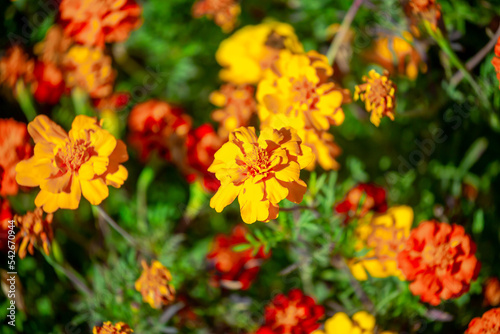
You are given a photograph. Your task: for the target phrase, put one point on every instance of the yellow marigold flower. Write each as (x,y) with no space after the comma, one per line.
(155,285)
(237,105)
(34,230)
(362,323)
(378,93)
(385,235)
(261,172)
(89,69)
(65,166)
(109,328)
(251,50)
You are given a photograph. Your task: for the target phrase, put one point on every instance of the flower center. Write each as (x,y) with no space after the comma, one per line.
(289,317)
(257,161)
(437,256)
(74,155)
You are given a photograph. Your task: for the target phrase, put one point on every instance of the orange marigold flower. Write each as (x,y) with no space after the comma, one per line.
(440,260)
(261,172)
(231,269)
(65,166)
(492,292)
(155,285)
(109,328)
(417,10)
(295,313)
(496,60)
(34,230)
(95,22)
(54,46)
(5,216)
(224,12)
(361,199)
(253,49)
(489,323)
(157,126)
(378,93)
(14,147)
(237,105)
(14,66)
(89,69)
(48,83)
(201,144)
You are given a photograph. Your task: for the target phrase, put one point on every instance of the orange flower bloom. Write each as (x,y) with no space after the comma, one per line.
(237,105)
(14,147)
(492,292)
(54,46)
(14,66)
(95,22)
(224,12)
(417,10)
(157,126)
(89,69)
(231,269)
(378,93)
(48,83)
(496,60)
(373,200)
(440,260)
(155,285)
(34,229)
(295,313)
(261,172)
(489,323)
(5,216)
(65,166)
(109,328)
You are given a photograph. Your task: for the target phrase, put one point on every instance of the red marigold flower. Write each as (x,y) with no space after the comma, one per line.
(202,143)
(35,229)
(496,60)
(373,200)
(14,66)
(112,102)
(231,269)
(489,323)
(492,292)
(94,22)
(224,12)
(48,83)
(5,216)
(295,313)
(14,147)
(109,328)
(440,260)
(157,126)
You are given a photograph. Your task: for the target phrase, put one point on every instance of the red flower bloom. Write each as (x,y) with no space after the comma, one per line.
(295,313)
(48,84)
(374,200)
(5,216)
(115,101)
(94,22)
(231,269)
(492,292)
(496,60)
(158,127)
(202,143)
(14,147)
(488,324)
(439,259)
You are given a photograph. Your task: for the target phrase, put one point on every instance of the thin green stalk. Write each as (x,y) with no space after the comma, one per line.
(25,101)
(145,179)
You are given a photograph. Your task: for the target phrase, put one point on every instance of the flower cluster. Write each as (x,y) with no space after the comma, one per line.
(66,165)
(35,229)
(110,328)
(362,323)
(362,199)
(232,269)
(261,172)
(155,285)
(440,260)
(488,323)
(224,12)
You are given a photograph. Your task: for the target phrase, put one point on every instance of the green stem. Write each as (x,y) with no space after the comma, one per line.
(145,179)
(69,273)
(25,101)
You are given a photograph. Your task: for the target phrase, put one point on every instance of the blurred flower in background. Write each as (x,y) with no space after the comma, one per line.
(155,285)
(35,229)
(496,59)
(110,328)
(492,292)
(362,323)
(14,66)
(362,199)
(488,323)
(224,12)
(5,216)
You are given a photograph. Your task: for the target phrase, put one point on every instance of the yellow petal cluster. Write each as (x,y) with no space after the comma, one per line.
(66,165)
(109,328)
(251,50)
(385,235)
(261,171)
(155,286)
(361,323)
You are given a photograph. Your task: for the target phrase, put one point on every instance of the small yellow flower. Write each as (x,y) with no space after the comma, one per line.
(261,172)
(378,93)
(155,285)
(109,328)
(34,229)
(362,323)
(385,235)
(65,166)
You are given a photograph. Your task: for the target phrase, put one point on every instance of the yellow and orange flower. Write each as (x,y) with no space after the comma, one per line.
(237,105)
(155,285)
(417,10)
(14,147)
(385,236)
(109,328)
(54,46)
(90,70)
(489,323)
(361,323)
(14,66)
(224,12)
(95,22)
(253,49)
(34,230)
(65,166)
(378,92)
(261,172)
(492,292)
(440,260)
